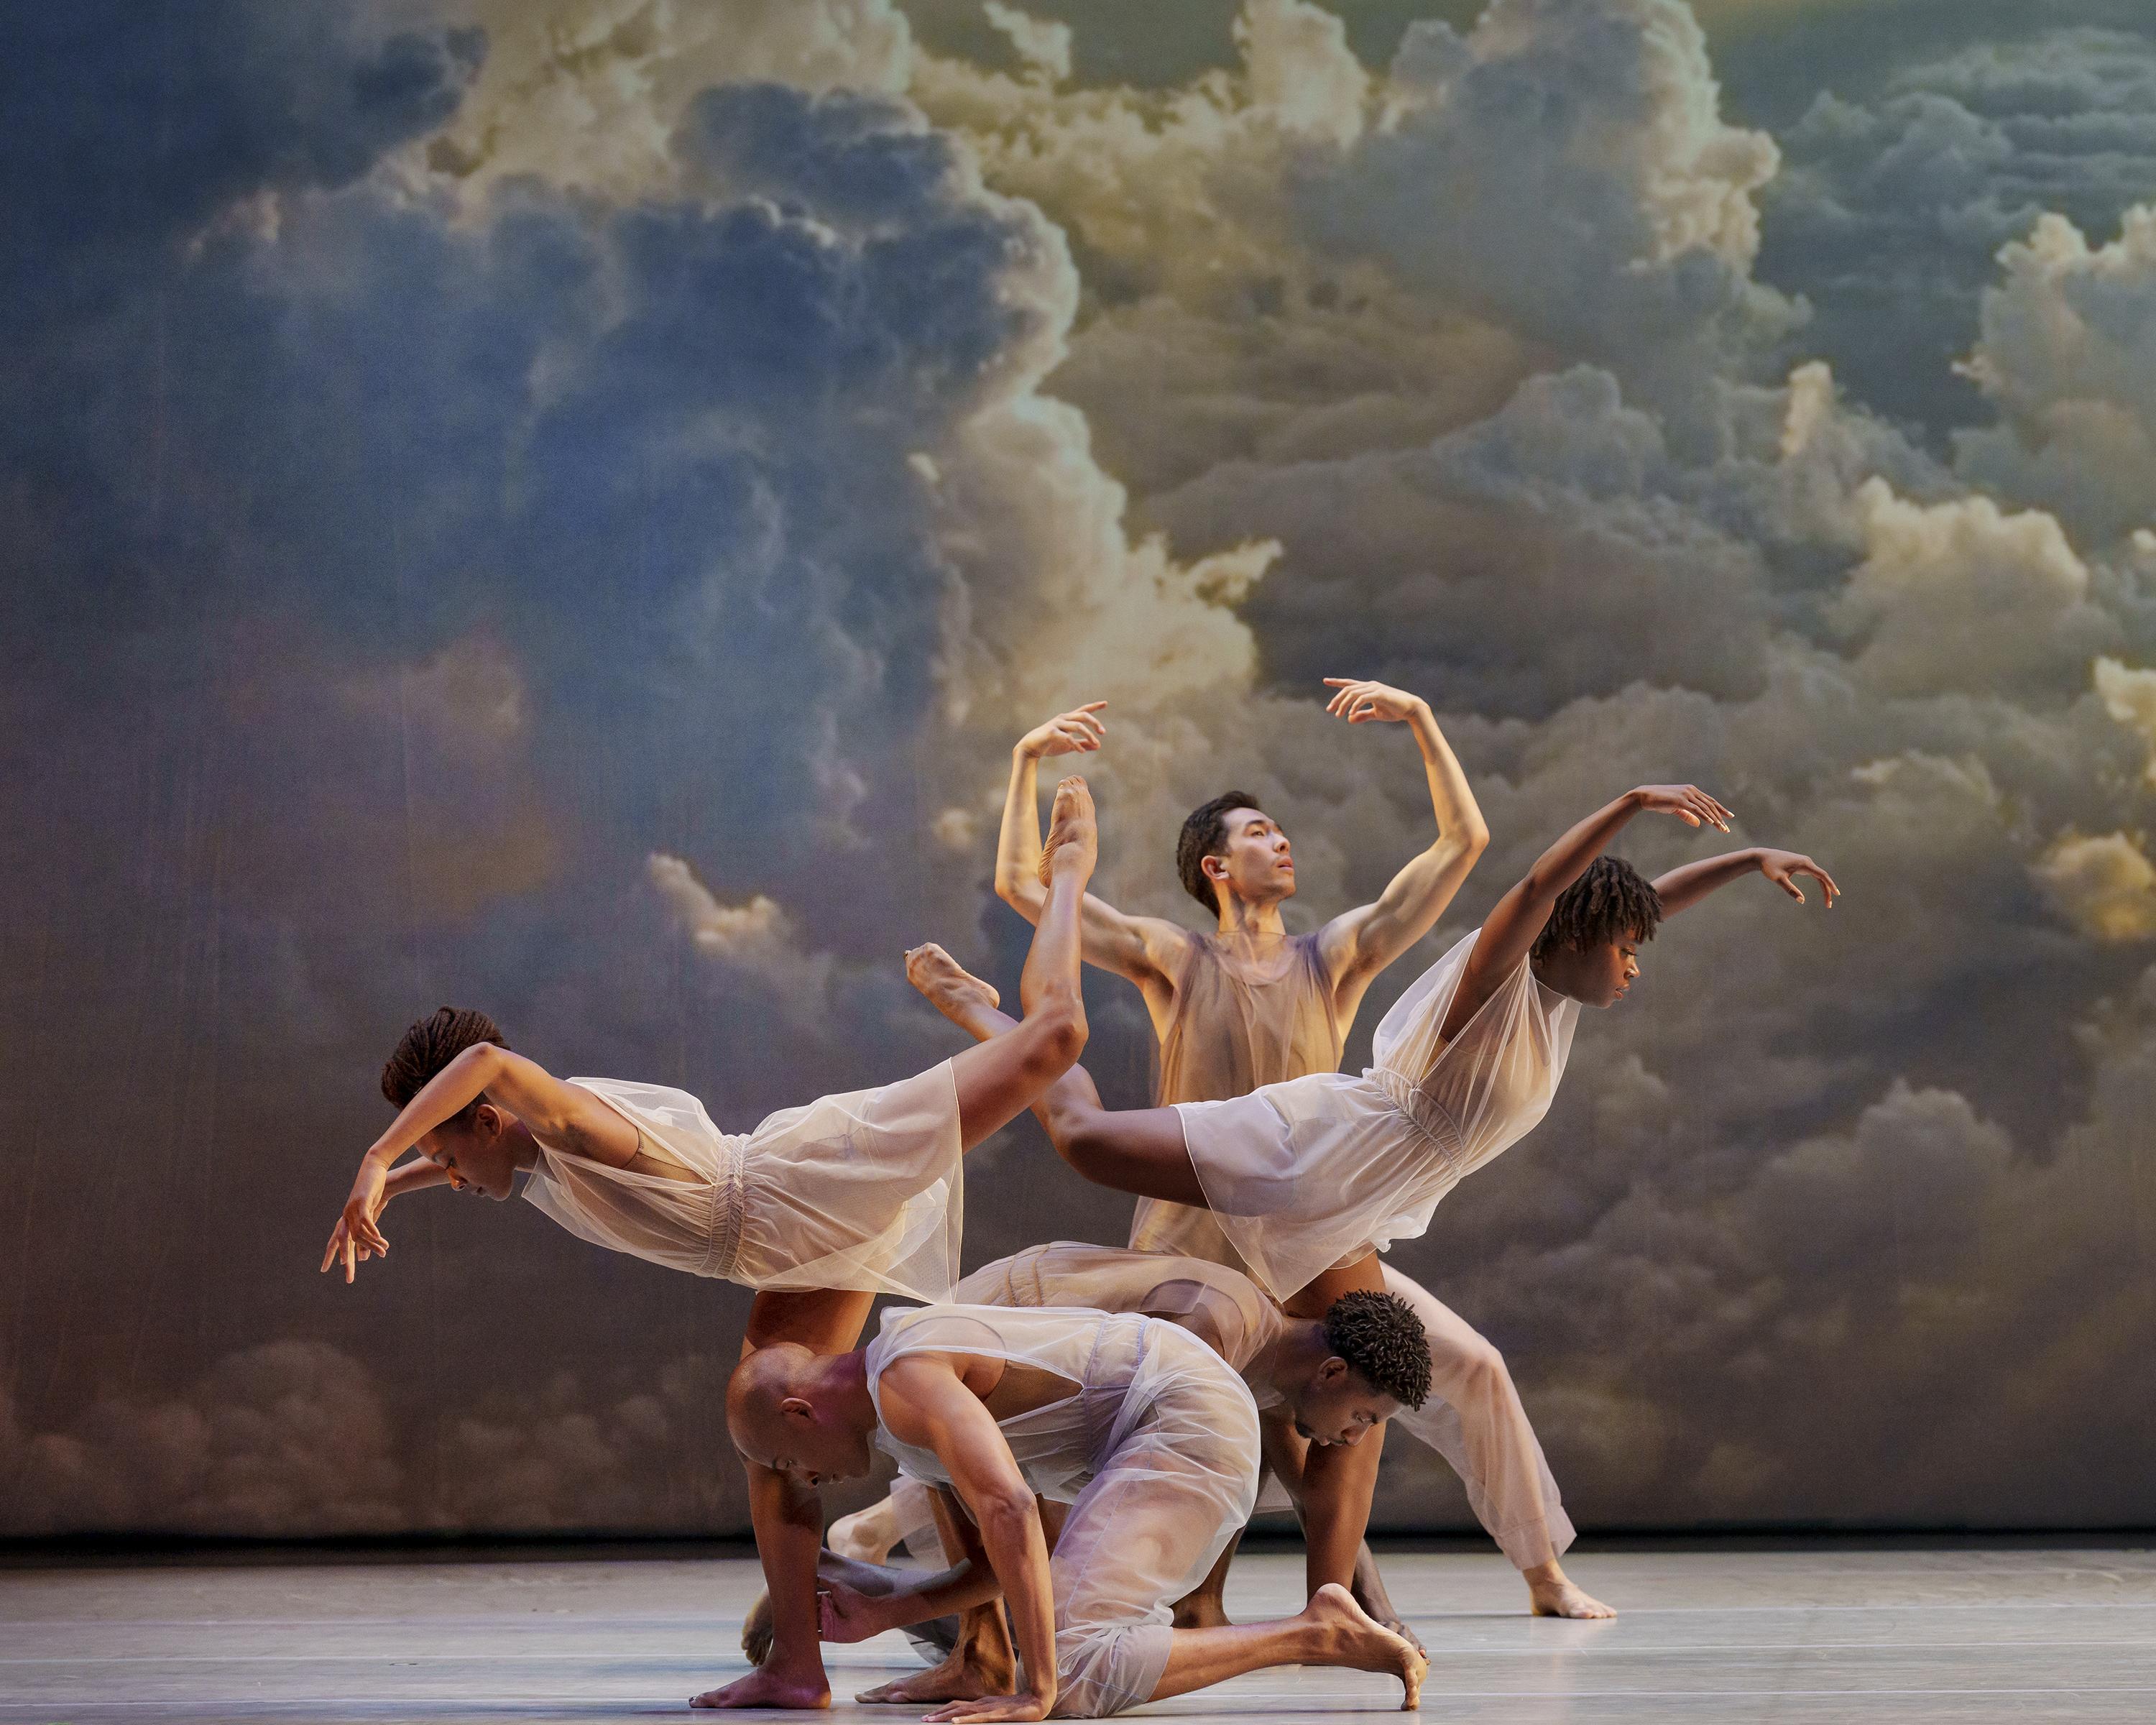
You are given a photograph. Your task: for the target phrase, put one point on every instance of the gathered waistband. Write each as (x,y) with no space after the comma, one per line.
(723,1227)
(1425,1113)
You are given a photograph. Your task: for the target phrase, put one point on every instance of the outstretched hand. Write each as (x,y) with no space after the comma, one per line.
(1360,701)
(846,1614)
(1687,802)
(1783,867)
(1076,733)
(356,1238)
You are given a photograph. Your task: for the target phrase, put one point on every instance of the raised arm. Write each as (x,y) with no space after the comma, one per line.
(1360,943)
(561,1115)
(1140,949)
(926,1404)
(1681,889)
(1508,933)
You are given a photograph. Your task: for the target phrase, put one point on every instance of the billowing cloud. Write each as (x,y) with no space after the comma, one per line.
(575,529)
(2068,356)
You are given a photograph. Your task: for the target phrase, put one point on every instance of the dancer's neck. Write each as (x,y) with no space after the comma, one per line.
(1248,916)
(1287,1362)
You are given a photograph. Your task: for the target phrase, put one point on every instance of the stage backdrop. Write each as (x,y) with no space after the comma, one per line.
(563,508)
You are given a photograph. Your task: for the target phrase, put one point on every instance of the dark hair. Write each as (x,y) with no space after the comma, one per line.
(1611,901)
(431,1045)
(1205,833)
(1381,1339)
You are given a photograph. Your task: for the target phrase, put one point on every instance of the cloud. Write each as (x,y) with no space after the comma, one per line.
(1891,209)
(2068,356)
(2104,886)
(1045,46)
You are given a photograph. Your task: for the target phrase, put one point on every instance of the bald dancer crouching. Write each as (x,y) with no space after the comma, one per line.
(1332,1381)
(1149,1436)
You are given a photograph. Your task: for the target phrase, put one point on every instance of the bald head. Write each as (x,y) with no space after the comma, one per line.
(807,1415)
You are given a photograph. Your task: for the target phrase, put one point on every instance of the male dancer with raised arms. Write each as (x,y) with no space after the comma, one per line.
(1250,1005)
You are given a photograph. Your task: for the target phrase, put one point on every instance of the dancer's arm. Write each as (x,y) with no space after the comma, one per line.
(560,1116)
(1509,932)
(926,1404)
(1145,950)
(1361,943)
(1681,889)
(853,1611)
(413,1176)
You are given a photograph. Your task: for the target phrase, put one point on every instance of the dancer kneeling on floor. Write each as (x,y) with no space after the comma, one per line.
(1146,1433)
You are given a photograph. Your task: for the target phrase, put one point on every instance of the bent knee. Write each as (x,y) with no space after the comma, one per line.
(1475,1367)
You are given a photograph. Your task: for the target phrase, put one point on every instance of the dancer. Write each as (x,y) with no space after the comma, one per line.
(1143,1429)
(818,1209)
(1308,1178)
(1332,1381)
(1249,1005)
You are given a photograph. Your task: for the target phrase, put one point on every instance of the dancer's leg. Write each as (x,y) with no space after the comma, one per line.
(1330,1629)
(788,1519)
(1473,1419)
(1006,1075)
(1205,1606)
(1138,1150)
(981,1660)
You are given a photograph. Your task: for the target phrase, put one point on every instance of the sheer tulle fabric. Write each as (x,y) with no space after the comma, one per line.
(1304,1174)
(1223,1307)
(1249,1010)
(1156,1449)
(862,1190)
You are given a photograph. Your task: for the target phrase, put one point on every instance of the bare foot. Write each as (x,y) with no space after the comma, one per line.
(952,989)
(1070,828)
(756,1631)
(1201,1611)
(766,1688)
(1349,1636)
(961,1677)
(1551,1592)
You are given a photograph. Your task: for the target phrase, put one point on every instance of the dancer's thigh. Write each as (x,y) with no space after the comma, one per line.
(822,1320)
(1366,1275)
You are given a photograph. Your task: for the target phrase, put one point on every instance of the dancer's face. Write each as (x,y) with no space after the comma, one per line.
(1599,975)
(790,1435)
(1257,864)
(478,1155)
(1336,1406)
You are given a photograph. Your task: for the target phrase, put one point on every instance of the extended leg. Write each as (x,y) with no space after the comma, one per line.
(1475,1420)
(1138,1150)
(1330,1629)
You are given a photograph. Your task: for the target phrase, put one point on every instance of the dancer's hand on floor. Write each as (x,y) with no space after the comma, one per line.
(1076,733)
(993,1708)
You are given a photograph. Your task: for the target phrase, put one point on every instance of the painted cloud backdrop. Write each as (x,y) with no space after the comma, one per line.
(563,508)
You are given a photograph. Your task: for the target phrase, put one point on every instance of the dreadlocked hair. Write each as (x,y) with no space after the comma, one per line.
(1205,833)
(431,1045)
(1613,901)
(1381,1339)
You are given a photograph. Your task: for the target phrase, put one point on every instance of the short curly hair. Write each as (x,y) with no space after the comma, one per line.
(1612,901)
(1205,833)
(1381,1339)
(431,1045)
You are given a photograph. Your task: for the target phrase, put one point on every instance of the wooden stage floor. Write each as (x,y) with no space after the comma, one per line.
(1726,1635)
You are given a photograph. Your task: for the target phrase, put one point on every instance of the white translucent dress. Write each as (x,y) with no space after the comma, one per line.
(1304,1173)
(1155,1448)
(862,1190)
(1222,1307)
